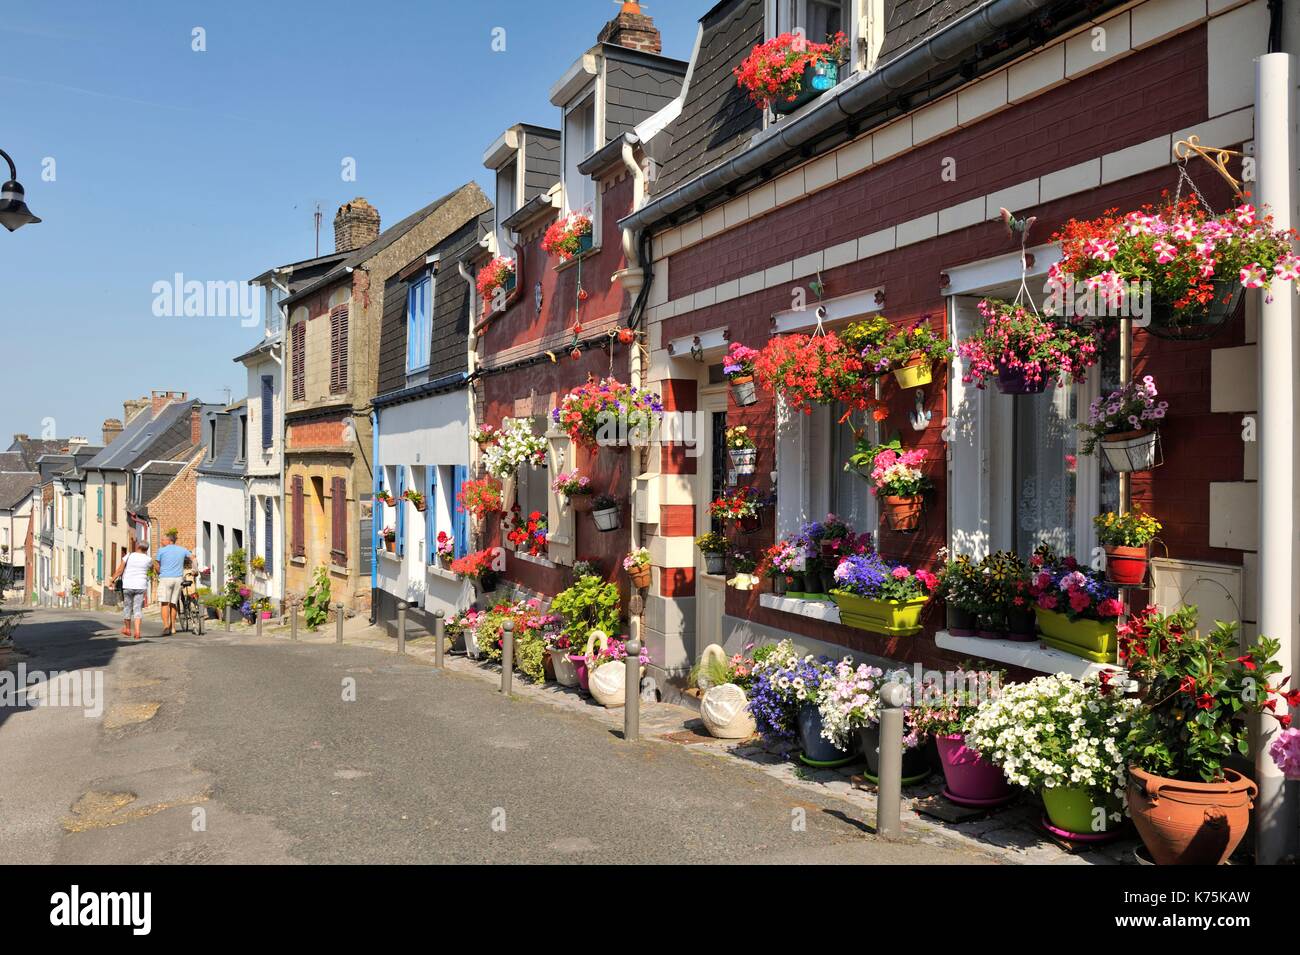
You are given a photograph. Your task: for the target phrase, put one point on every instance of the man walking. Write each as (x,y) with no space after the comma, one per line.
(171,560)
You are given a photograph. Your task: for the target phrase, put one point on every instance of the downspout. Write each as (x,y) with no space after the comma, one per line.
(283,536)
(374,532)
(1279,361)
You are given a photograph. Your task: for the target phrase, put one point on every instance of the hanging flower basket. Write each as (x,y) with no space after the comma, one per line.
(606,514)
(1171,324)
(738,366)
(903,514)
(743,460)
(1131,451)
(1127,566)
(1014,381)
(915,373)
(744,391)
(1022,351)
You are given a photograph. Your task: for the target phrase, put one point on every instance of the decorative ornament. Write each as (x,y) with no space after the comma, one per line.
(626,336)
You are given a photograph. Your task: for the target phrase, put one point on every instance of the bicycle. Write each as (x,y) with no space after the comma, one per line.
(191,610)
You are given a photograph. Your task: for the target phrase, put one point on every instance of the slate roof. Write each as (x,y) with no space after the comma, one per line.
(154,478)
(146,438)
(717,117)
(371,249)
(12,461)
(225,461)
(907,22)
(16,485)
(32,448)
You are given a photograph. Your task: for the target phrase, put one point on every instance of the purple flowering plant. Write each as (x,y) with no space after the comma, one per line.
(783,684)
(1131,408)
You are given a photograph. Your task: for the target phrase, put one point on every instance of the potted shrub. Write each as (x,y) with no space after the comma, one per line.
(943,712)
(480,497)
(606,513)
(515,446)
(1127,539)
(389,535)
(1193,264)
(637,565)
(1021,351)
(572,486)
(741,449)
(744,578)
(590,603)
(1196,692)
(787,71)
(1125,426)
(497,274)
(742,505)
(896,480)
(850,711)
(1077,610)
(714,548)
(560,647)
(962,592)
(724,705)
(784,698)
(738,366)
(568,236)
(877,597)
(445,548)
(608,413)
(607,668)
(1062,738)
(416,498)
(911,354)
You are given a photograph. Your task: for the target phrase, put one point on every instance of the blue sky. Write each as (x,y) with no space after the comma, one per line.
(210,163)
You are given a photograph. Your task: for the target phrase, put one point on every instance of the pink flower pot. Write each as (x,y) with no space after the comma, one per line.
(972,781)
(580,665)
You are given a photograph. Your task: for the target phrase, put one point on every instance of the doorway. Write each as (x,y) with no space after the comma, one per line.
(710,481)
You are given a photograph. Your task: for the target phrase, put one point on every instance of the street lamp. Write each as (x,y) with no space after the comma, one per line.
(13,207)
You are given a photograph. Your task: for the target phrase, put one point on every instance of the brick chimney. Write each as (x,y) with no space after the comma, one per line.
(132,407)
(355,224)
(633,29)
(196,424)
(159,400)
(112,428)
(21,437)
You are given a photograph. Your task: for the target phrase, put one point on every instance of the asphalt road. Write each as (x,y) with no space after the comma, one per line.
(229,749)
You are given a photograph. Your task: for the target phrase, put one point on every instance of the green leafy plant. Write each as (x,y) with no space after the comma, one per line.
(1135,528)
(316,604)
(590,604)
(712,543)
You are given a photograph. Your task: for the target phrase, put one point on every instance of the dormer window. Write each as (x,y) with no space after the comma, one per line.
(861,21)
(579,142)
(507,193)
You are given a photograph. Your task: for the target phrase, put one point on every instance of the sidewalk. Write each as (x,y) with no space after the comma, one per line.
(1011,834)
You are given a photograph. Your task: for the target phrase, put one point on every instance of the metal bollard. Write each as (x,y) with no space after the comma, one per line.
(889,791)
(293,619)
(507,656)
(229,613)
(401,626)
(439,636)
(338,623)
(632,692)
(259,623)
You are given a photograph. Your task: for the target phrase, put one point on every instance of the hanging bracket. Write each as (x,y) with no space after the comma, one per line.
(1216,156)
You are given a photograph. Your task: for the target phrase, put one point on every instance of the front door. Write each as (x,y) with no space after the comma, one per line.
(710,481)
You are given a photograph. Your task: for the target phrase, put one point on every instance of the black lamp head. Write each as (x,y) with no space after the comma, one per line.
(13,206)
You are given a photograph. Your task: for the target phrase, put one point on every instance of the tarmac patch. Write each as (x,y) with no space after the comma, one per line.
(125,714)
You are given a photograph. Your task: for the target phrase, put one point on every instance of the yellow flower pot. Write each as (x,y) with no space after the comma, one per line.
(1091,639)
(895,618)
(914,374)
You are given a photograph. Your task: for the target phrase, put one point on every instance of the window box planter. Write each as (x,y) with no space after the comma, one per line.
(743,391)
(1090,639)
(817,79)
(1131,450)
(1127,566)
(896,618)
(903,514)
(915,373)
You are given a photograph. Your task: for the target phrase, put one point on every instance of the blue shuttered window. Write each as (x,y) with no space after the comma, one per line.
(269,507)
(99,503)
(419,301)
(268,408)
(99,566)
(401,510)
(459,522)
(430,514)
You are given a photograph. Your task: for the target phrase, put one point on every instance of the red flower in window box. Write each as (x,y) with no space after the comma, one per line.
(565,235)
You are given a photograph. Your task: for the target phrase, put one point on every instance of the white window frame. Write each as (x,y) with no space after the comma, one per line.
(589,93)
(524,485)
(865,30)
(803,448)
(504,244)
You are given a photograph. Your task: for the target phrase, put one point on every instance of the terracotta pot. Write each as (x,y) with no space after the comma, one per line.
(640,575)
(390,545)
(1185,823)
(903,513)
(1127,566)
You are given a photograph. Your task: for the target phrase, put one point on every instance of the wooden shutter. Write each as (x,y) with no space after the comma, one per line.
(338,349)
(401,510)
(299,544)
(339,520)
(430,514)
(113,503)
(270,533)
(298,361)
(268,408)
(459,521)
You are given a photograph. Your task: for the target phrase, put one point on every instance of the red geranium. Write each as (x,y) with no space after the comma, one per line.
(774,70)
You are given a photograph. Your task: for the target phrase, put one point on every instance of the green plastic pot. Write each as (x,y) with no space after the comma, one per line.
(1076,810)
(896,618)
(1091,639)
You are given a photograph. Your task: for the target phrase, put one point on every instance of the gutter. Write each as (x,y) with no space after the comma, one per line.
(941,49)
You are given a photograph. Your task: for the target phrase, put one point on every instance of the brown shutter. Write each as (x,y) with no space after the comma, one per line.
(338,349)
(299,543)
(298,361)
(339,520)
(114,502)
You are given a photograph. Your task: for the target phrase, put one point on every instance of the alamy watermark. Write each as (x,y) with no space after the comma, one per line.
(25,688)
(180,297)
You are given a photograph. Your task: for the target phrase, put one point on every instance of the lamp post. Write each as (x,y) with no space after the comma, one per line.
(13,206)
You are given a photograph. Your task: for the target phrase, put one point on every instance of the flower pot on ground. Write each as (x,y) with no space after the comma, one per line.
(580,670)
(783,682)
(1074,810)
(943,713)
(605,512)
(969,779)
(850,706)
(607,668)
(1127,539)
(817,750)
(916,761)
(1190,823)
(566,674)
(724,711)
(1197,692)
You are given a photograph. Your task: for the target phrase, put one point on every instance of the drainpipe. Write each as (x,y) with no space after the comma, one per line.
(374,531)
(1279,363)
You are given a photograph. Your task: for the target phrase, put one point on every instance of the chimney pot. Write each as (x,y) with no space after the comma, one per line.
(355,224)
(632,29)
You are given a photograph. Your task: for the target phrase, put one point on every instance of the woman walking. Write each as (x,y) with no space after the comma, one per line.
(133,571)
